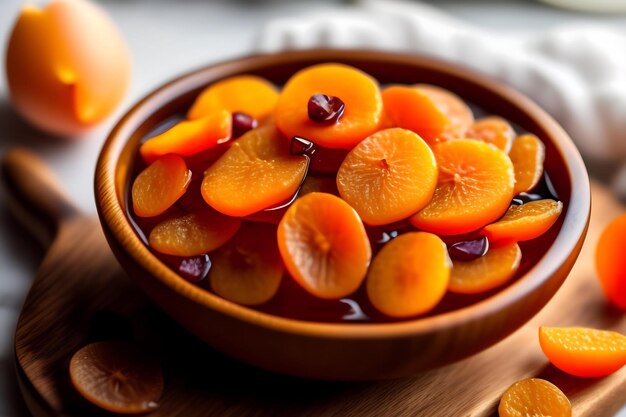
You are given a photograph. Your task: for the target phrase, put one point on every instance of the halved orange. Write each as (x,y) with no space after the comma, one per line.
(494,130)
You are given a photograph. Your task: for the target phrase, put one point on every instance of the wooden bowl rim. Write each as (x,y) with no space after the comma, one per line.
(113,217)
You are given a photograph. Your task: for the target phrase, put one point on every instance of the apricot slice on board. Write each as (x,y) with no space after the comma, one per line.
(248,269)
(582,351)
(193,233)
(249,94)
(527,155)
(357,90)
(410,275)
(410,108)
(324,245)
(117,377)
(189,137)
(534,397)
(611,262)
(494,130)
(389,176)
(458,113)
(524,222)
(495,268)
(257,172)
(474,188)
(160,185)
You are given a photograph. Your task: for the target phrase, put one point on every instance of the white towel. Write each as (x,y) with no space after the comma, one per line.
(576,73)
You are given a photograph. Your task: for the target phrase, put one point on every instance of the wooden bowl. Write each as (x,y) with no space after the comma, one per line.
(345,351)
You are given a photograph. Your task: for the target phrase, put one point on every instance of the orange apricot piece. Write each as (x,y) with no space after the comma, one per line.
(409,276)
(524,222)
(324,245)
(495,268)
(254,96)
(193,233)
(582,351)
(494,130)
(474,188)
(189,137)
(458,113)
(534,397)
(389,176)
(248,269)
(357,90)
(256,173)
(160,185)
(527,155)
(410,108)
(611,262)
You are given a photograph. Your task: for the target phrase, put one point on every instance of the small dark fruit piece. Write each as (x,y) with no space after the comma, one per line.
(325,109)
(469,250)
(242,123)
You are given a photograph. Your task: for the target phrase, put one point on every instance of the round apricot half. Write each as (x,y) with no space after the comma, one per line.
(611,262)
(495,268)
(324,245)
(160,185)
(534,397)
(524,222)
(255,173)
(494,130)
(357,90)
(527,155)
(410,275)
(249,94)
(458,113)
(582,351)
(117,377)
(474,188)
(389,176)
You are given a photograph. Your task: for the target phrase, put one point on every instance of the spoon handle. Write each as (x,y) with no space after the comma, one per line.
(34,194)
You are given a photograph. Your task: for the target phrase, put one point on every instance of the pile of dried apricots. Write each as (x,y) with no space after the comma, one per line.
(257,184)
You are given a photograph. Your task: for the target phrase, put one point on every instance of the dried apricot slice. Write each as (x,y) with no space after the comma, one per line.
(458,113)
(117,377)
(410,108)
(474,188)
(256,173)
(494,130)
(324,245)
(389,176)
(409,276)
(357,90)
(527,155)
(248,269)
(582,351)
(160,185)
(249,94)
(611,262)
(496,267)
(189,137)
(534,397)
(524,222)
(193,233)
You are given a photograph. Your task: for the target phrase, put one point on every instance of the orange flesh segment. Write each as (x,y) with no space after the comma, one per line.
(409,276)
(248,269)
(388,176)
(534,397)
(358,91)
(527,155)
(474,188)
(524,222)
(453,107)
(116,377)
(611,262)
(324,245)
(189,137)
(248,94)
(160,185)
(490,271)
(583,352)
(410,108)
(256,173)
(193,234)
(494,130)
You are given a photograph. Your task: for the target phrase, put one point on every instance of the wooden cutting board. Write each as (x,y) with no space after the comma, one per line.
(80,294)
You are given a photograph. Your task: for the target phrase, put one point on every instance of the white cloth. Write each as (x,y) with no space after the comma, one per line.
(576,73)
